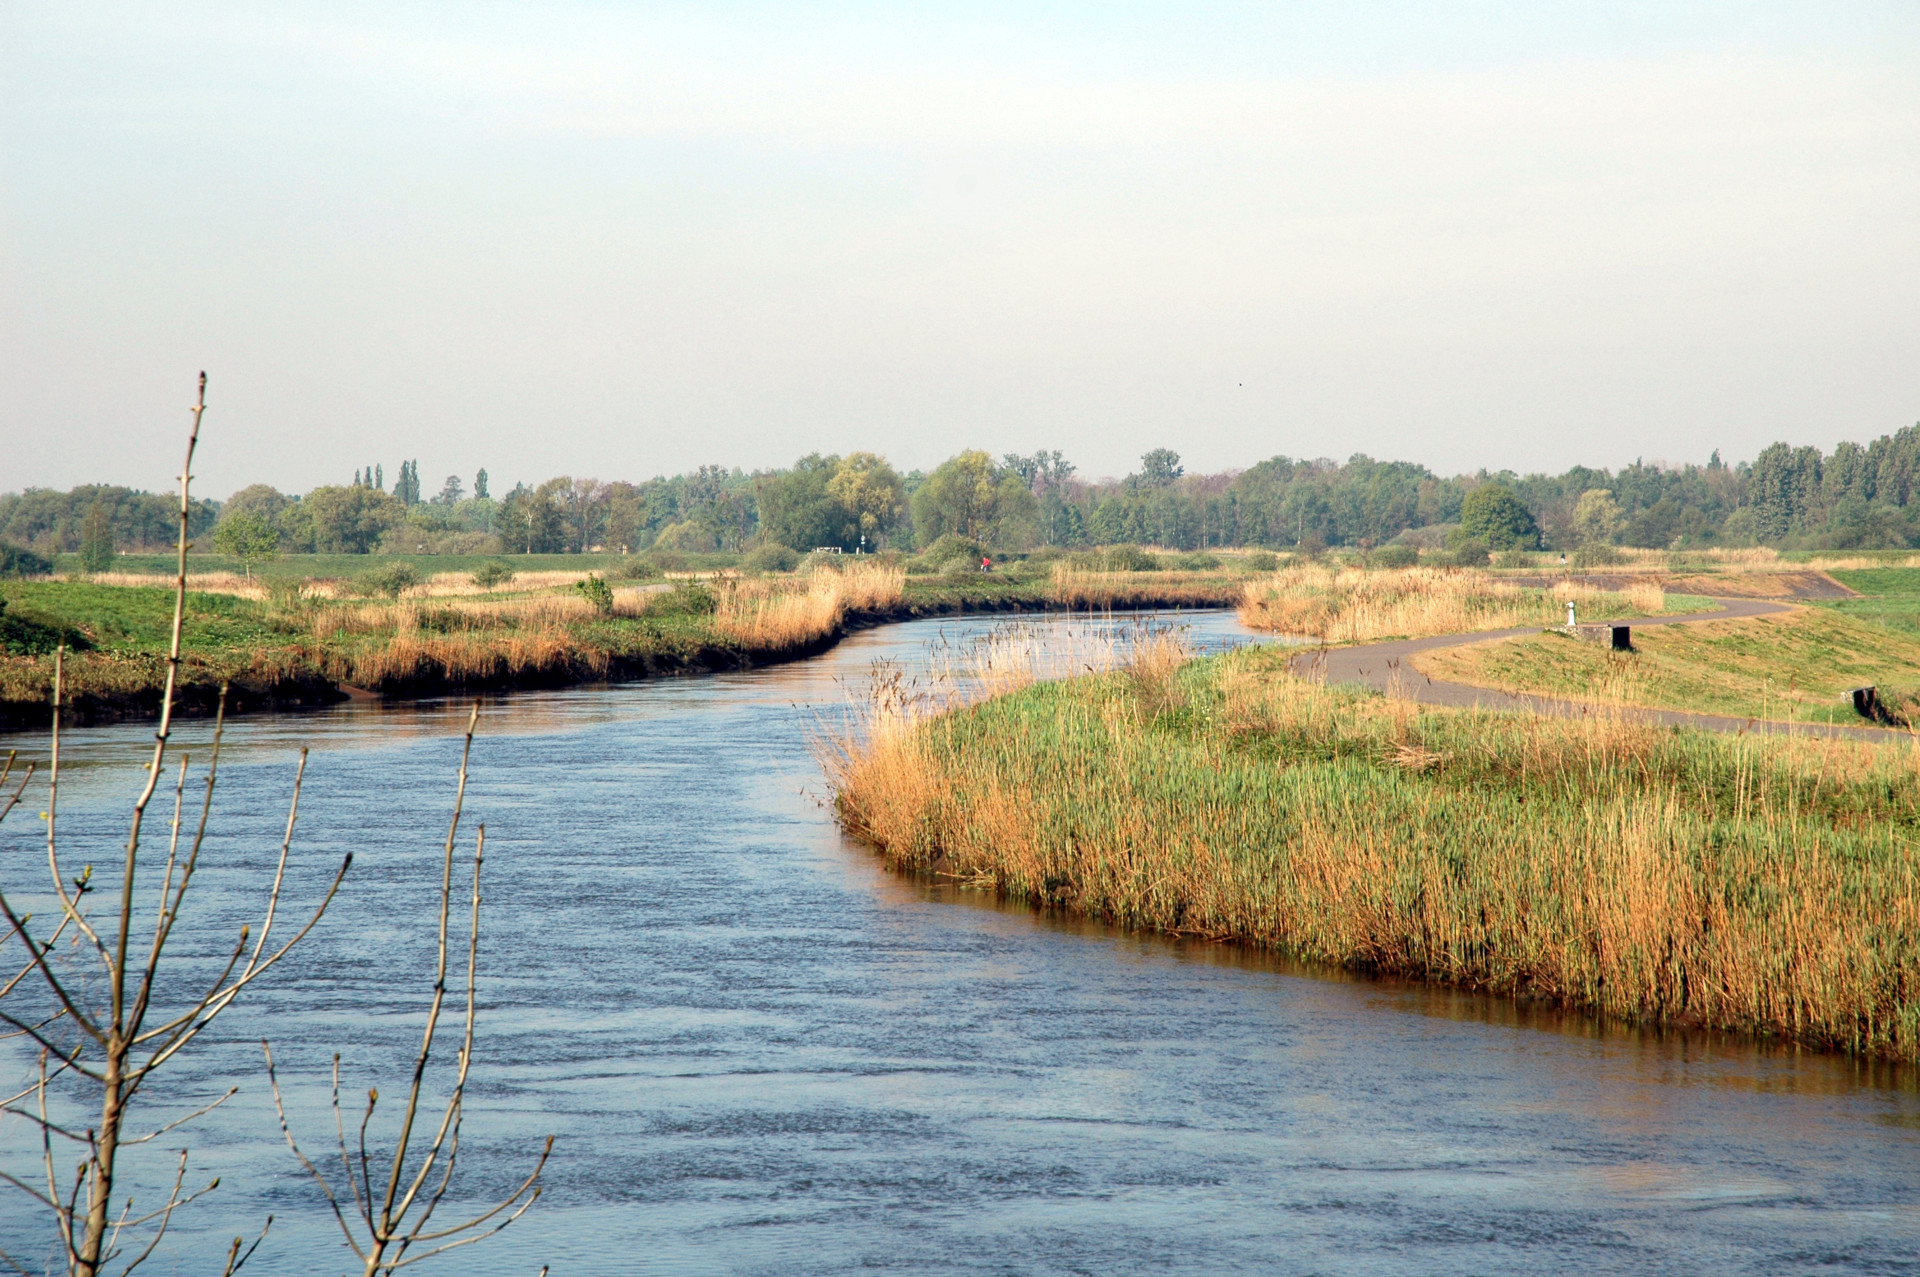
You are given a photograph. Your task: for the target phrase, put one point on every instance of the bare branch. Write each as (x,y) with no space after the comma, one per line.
(179,1122)
(280,1109)
(237,1260)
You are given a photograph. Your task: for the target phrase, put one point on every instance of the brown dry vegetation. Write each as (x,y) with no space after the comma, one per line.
(1084,590)
(1350,605)
(1760,885)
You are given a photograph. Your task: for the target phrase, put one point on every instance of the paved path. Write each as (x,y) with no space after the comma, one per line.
(1387,667)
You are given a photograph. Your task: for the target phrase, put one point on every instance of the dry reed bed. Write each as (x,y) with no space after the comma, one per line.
(1350,605)
(1757,885)
(777,615)
(1085,590)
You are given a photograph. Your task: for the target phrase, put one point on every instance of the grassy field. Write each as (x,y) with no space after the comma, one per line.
(1760,885)
(1796,667)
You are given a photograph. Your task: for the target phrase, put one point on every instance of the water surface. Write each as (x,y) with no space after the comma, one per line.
(763,1053)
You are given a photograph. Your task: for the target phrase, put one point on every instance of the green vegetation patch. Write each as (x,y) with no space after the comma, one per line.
(1796,667)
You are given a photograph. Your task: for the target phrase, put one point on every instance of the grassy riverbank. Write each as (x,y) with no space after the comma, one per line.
(285,643)
(1758,885)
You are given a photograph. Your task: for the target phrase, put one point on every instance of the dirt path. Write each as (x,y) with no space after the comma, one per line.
(1387,667)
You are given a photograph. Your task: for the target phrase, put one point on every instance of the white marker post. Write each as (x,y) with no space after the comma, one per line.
(1569,613)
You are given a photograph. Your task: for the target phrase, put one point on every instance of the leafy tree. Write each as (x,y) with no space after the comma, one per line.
(480,485)
(15,561)
(247,536)
(798,508)
(960,497)
(338,520)
(1159,468)
(452,492)
(871,494)
(96,540)
(1492,514)
(1597,517)
(1783,489)
(597,592)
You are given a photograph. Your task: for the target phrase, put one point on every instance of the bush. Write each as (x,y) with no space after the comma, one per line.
(664,561)
(1394,556)
(953,546)
(1197,562)
(1470,552)
(597,592)
(489,575)
(1127,558)
(15,561)
(1047,554)
(392,580)
(771,557)
(1597,554)
(30,636)
(1312,547)
(686,598)
(819,560)
(1513,557)
(961,568)
(641,569)
(1262,561)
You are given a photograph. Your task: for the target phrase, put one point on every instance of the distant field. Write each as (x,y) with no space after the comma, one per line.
(1891,597)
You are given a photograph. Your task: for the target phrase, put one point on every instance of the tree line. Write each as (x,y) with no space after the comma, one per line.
(1858,497)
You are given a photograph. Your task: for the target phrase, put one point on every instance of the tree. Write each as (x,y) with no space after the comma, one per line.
(1783,490)
(1493,514)
(96,539)
(336,520)
(1596,518)
(480,485)
(1159,468)
(451,492)
(798,508)
(247,537)
(959,497)
(871,493)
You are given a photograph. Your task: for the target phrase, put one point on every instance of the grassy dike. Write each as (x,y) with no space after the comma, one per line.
(283,650)
(1763,886)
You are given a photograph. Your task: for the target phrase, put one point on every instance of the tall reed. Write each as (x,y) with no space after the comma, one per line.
(1752,884)
(774,615)
(1350,605)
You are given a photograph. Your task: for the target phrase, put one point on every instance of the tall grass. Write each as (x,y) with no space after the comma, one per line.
(771,614)
(1350,605)
(1083,589)
(1759,885)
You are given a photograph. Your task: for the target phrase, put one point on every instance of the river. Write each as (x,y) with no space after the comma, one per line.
(762,1052)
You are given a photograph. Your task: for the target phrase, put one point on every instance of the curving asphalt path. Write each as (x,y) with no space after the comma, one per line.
(1386,667)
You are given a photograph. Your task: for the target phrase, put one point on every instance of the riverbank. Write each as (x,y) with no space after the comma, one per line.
(288,650)
(1758,885)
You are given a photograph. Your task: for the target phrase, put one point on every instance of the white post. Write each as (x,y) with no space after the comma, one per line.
(1569,613)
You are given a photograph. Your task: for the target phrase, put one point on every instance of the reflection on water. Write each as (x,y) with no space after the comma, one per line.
(762,1052)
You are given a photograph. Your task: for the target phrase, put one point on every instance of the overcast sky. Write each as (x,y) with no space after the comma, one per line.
(626,239)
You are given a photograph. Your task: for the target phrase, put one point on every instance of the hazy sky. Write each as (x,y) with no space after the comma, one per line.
(626,239)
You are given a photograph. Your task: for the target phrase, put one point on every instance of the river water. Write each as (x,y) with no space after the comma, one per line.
(761,1052)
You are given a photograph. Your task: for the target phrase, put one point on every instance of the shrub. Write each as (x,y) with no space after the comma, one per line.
(489,575)
(953,546)
(1470,552)
(391,581)
(1513,557)
(15,561)
(961,568)
(1394,556)
(30,636)
(1262,561)
(641,569)
(686,598)
(665,560)
(1597,554)
(597,592)
(771,557)
(818,560)
(1312,546)
(1127,558)
(1197,562)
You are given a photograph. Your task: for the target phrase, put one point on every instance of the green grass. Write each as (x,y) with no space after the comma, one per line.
(1891,597)
(140,618)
